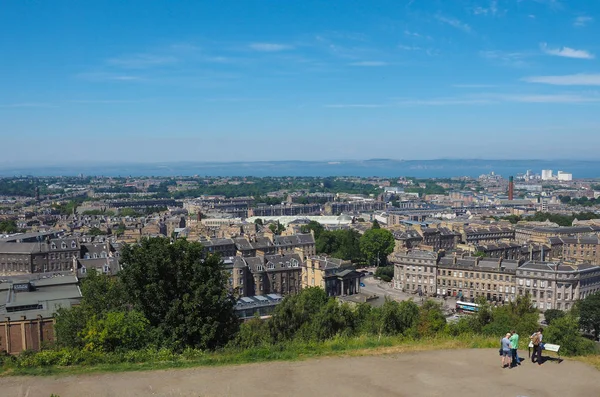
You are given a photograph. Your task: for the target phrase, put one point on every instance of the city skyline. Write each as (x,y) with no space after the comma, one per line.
(261,80)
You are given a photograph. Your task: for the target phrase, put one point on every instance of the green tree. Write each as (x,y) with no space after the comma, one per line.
(386,273)
(258,221)
(296,312)
(564,331)
(182,294)
(589,314)
(95,232)
(116,330)
(376,245)
(8,227)
(375,225)
(100,294)
(315,227)
(553,314)
(431,319)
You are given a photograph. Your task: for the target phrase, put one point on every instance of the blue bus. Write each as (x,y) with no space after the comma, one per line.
(466,307)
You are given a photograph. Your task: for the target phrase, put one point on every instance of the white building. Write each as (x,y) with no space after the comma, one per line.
(564,176)
(546,175)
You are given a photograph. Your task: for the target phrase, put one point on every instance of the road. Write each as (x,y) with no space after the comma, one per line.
(383,289)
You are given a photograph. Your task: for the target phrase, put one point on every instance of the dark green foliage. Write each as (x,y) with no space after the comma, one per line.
(375,225)
(101,294)
(376,245)
(295,312)
(430,188)
(589,314)
(563,220)
(315,227)
(564,331)
(431,319)
(551,315)
(343,244)
(386,273)
(95,232)
(9,227)
(183,295)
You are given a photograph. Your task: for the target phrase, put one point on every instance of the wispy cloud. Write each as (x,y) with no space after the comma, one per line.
(474,85)
(357,105)
(491,10)
(269,47)
(408,47)
(369,63)
(445,101)
(582,21)
(582,79)
(455,23)
(553,4)
(484,98)
(551,98)
(512,59)
(105,76)
(104,101)
(417,35)
(566,52)
(141,61)
(28,105)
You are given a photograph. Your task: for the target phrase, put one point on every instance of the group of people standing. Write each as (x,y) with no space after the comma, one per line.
(508,350)
(509,346)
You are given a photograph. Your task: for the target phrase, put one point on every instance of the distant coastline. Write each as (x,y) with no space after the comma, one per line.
(443,168)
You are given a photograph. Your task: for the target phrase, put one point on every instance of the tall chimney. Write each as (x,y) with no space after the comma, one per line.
(511,188)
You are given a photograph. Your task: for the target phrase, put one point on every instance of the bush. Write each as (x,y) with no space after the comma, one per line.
(564,331)
(553,314)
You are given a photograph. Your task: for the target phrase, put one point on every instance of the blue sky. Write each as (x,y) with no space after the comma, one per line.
(155,81)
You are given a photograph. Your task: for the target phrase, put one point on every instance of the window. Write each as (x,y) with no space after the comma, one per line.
(63,245)
(53,246)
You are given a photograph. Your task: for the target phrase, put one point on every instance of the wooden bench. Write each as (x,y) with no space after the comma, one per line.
(548,347)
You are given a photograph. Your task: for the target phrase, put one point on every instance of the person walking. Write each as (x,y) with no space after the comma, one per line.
(514,346)
(505,343)
(536,341)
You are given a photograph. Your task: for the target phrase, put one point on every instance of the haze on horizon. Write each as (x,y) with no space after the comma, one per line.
(159,81)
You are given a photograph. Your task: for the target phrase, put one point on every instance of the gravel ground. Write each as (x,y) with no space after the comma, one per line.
(465,373)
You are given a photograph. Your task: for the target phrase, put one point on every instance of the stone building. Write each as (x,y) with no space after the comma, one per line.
(38,257)
(472,277)
(554,285)
(581,249)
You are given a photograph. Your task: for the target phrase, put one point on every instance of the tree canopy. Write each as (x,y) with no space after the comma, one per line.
(376,245)
(182,294)
(589,314)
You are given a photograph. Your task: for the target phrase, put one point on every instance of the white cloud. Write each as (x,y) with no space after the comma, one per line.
(269,47)
(107,77)
(28,105)
(512,59)
(356,105)
(141,61)
(566,52)
(474,85)
(408,47)
(582,21)
(369,63)
(491,10)
(455,23)
(570,79)
(556,98)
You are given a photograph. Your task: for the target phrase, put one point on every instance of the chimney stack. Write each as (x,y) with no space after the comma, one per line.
(511,188)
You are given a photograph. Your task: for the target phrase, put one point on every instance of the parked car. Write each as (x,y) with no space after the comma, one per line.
(362,284)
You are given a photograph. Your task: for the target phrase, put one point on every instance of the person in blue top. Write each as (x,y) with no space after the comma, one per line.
(506,351)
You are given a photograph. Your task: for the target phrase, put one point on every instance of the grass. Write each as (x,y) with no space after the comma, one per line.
(337,347)
(593,360)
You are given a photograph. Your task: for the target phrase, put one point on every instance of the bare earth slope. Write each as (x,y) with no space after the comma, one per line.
(465,373)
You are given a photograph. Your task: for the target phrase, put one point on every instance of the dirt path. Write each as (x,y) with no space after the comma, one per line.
(465,373)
